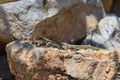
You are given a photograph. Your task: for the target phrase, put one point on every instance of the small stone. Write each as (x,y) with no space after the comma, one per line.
(51,77)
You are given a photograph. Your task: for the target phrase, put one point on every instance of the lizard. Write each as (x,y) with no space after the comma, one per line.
(42,41)
(77,47)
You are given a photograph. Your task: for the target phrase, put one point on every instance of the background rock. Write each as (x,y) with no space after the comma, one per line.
(72,23)
(108,5)
(5,1)
(69,25)
(19,18)
(107,34)
(28,62)
(112,6)
(115,7)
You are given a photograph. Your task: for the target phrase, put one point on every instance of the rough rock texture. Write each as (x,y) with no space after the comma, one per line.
(107,35)
(108,5)
(112,6)
(5,35)
(19,18)
(28,62)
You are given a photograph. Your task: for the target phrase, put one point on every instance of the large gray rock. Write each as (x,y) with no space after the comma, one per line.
(107,35)
(18,19)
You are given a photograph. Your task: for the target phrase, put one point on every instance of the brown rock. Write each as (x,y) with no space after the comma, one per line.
(112,6)
(28,62)
(5,35)
(6,1)
(108,5)
(70,24)
(17,19)
(116,7)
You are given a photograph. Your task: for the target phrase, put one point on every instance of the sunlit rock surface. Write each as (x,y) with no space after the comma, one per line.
(28,62)
(63,20)
(112,6)
(107,35)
